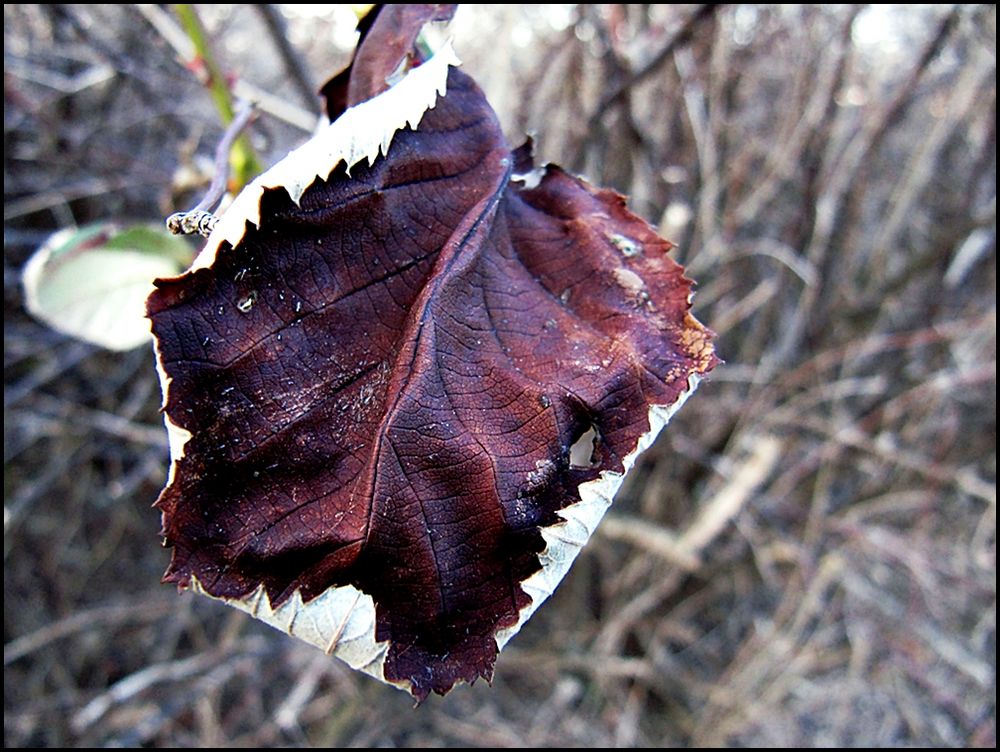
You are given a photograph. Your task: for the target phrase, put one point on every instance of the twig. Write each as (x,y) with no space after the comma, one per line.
(287,715)
(696,105)
(57,362)
(52,200)
(276,107)
(726,504)
(648,536)
(782,161)
(945,646)
(200,219)
(64,413)
(764,293)
(296,66)
(976,74)
(242,157)
(839,182)
(679,39)
(82,621)
(195,696)
(782,253)
(133,684)
(962,479)
(244,114)
(60,82)
(613,632)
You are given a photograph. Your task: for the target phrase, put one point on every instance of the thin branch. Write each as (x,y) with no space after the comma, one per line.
(200,219)
(782,162)
(920,171)
(679,39)
(138,682)
(83,621)
(843,177)
(242,156)
(274,106)
(296,66)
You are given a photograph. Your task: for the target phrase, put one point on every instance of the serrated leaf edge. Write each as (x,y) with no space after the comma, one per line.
(341,620)
(363,131)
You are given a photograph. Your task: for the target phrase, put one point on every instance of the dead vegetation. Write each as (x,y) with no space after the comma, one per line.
(808,555)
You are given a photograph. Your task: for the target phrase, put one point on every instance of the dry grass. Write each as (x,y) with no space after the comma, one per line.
(807,557)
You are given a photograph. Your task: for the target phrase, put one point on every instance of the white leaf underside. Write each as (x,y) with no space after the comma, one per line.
(363,131)
(97,295)
(341,621)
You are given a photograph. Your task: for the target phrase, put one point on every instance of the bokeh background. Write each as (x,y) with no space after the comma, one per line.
(808,554)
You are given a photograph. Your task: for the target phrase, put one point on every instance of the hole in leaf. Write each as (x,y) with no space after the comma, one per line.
(583,453)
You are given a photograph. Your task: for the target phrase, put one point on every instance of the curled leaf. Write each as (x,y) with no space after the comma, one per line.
(402,392)
(389,52)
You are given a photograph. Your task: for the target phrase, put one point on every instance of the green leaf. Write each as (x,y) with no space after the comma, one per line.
(154,241)
(92,282)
